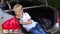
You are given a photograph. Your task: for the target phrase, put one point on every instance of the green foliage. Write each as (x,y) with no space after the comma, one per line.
(54,3)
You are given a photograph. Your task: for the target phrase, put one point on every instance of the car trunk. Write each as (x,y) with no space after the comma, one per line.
(37,12)
(43,12)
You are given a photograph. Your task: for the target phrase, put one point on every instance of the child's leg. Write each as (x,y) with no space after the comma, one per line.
(34,31)
(39,28)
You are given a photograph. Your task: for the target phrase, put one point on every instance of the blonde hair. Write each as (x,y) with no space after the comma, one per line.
(16,6)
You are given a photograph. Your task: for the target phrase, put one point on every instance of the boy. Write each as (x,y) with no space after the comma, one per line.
(30,25)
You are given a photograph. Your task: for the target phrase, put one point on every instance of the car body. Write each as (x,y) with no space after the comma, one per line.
(36,9)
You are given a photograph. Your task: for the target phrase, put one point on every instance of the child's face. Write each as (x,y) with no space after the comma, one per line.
(18,11)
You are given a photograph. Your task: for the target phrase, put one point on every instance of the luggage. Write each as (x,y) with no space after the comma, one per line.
(45,22)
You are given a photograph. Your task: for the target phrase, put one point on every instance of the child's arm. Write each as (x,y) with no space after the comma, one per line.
(25,23)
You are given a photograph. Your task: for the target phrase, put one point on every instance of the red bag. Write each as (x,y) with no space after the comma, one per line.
(11,24)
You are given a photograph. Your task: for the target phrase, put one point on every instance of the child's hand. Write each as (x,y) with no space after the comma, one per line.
(21,22)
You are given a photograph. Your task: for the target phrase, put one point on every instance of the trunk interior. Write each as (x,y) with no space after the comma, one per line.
(41,12)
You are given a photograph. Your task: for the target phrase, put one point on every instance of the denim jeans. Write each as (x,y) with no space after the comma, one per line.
(37,30)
